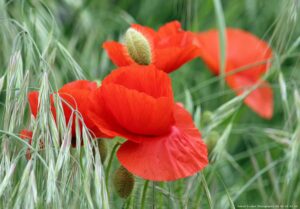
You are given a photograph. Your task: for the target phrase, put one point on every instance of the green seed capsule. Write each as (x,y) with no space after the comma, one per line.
(123,182)
(206,118)
(211,140)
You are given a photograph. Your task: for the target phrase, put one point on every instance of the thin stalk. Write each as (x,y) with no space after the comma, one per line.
(110,161)
(144,194)
(222,38)
(153,194)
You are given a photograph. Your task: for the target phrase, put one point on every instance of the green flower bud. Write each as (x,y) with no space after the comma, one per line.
(102,149)
(138,47)
(206,118)
(123,182)
(211,141)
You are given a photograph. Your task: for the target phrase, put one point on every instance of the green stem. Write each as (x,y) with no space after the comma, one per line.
(110,162)
(153,194)
(144,194)
(128,202)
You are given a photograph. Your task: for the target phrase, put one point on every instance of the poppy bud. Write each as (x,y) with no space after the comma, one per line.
(211,140)
(207,118)
(102,149)
(123,182)
(138,47)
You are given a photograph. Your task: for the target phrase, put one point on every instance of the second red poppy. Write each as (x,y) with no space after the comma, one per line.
(247,55)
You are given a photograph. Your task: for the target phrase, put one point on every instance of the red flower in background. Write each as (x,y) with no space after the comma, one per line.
(74,96)
(136,103)
(171,47)
(243,50)
(27,135)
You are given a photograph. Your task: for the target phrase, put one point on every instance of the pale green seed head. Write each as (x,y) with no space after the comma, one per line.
(138,47)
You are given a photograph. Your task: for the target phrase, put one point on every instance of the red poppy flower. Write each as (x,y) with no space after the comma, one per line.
(246,51)
(74,96)
(171,47)
(136,103)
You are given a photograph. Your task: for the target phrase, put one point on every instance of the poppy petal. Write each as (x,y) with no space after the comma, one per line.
(133,101)
(117,53)
(243,49)
(255,53)
(171,59)
(247,54)
(79,85)
(146,79)
(170,28)
(102,118)
(260,100)
(179,154)
(33,98)
(137,112)
(74,96)
(149,33)
(106,121)
(209,50)
(173,51)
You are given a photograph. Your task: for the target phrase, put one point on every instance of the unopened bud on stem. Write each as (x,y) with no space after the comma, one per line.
(211,140)
(138,47)
(207,117)
(123,182)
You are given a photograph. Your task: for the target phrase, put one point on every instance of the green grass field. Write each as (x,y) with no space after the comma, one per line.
(45,44)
